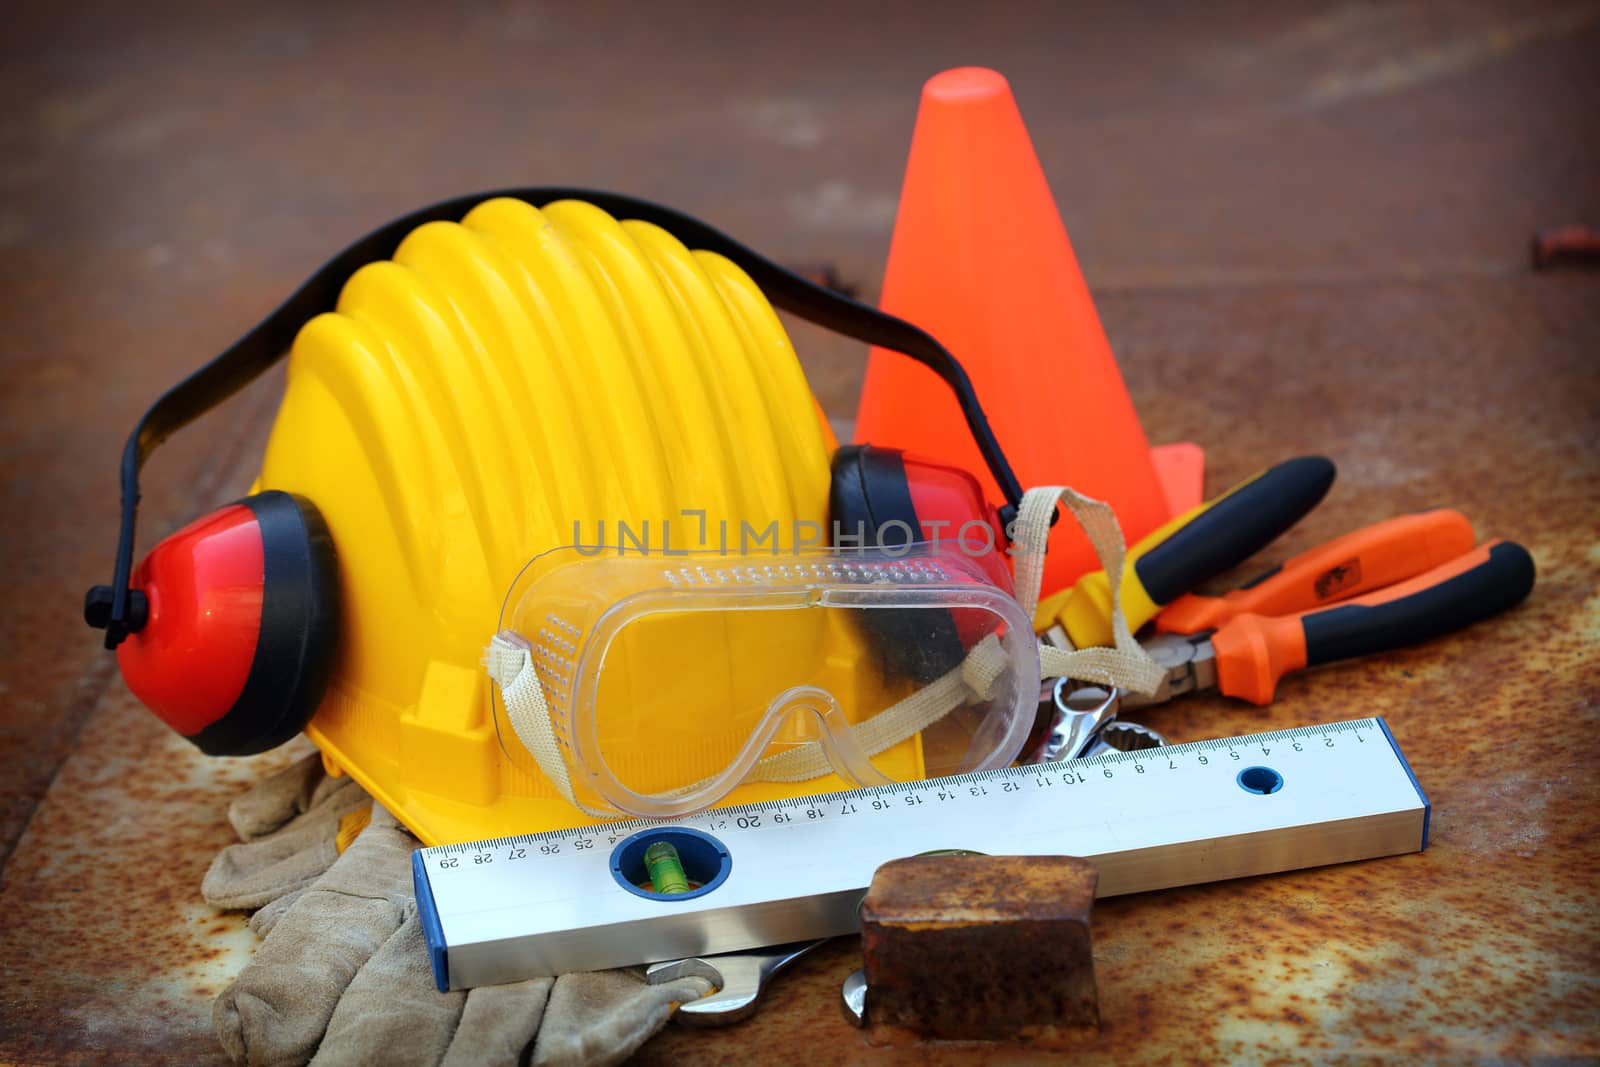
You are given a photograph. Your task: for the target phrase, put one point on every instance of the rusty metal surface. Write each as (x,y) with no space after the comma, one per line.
(107,952)
(980,948)
(1480,395)
(1307,231)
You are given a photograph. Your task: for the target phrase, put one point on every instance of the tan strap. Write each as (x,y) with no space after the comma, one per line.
(510,665)
(893,724)
(1126,665)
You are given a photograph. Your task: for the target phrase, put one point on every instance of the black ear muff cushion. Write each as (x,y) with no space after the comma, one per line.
(868,493)
(299,630)
(869,498)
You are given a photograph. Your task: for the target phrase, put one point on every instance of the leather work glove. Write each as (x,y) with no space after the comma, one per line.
(343,975)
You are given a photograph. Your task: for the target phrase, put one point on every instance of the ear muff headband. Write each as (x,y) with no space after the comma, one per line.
(120,610)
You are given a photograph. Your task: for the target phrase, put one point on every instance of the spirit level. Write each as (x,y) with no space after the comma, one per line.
(796,869)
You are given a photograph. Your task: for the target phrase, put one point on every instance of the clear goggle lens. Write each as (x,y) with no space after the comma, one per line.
(669,682)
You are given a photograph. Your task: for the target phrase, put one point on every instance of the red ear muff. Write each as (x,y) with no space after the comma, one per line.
(883,498)
(886,498)
(242,620)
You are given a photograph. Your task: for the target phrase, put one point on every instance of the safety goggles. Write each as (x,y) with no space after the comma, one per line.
(654,685)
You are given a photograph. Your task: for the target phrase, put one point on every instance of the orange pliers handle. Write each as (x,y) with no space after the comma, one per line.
(1254,651)
(1372,557)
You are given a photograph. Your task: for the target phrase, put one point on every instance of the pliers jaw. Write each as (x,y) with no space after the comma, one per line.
(1190,663)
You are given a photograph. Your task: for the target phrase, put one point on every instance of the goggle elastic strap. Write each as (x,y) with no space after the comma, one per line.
(1125,665)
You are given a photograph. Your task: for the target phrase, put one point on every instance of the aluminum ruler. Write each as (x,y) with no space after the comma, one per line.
(791,870)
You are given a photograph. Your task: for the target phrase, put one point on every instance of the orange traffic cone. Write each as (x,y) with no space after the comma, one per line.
(981,260)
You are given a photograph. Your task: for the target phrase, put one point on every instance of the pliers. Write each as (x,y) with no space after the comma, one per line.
(1379,588)
(1391,584)
(1190,549)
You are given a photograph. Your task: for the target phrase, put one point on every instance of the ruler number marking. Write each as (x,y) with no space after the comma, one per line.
(764,815)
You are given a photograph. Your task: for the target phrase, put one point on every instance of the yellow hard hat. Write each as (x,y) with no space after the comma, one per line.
(487,391)
(502,382)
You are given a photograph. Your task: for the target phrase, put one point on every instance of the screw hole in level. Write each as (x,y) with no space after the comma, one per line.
(1260,780)
(705,861)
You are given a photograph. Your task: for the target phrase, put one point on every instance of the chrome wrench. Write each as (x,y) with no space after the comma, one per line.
(740,978)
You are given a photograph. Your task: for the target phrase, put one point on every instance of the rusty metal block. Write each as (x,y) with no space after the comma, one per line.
(989,948)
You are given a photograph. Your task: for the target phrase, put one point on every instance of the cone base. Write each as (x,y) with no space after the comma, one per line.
(1181,469)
